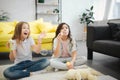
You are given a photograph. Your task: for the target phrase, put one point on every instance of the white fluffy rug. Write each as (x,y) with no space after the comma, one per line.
(2,68)
(47,76)
(52,75)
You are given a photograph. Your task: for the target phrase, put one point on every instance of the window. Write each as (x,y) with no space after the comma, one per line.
(114,10)
(106,9)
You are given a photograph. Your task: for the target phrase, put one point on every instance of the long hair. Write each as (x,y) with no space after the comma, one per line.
(18,30)
(59,29)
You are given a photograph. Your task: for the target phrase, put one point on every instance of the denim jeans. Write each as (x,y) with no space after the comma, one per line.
(24,68)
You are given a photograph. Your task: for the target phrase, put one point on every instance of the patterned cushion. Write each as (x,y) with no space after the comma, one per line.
(115,30)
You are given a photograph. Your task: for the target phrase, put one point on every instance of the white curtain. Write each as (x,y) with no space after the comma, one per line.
(106,9)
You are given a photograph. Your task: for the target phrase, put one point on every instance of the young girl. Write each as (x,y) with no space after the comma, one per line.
(64,49)
(21,53)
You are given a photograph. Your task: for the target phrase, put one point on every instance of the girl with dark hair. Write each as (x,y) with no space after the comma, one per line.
(65,50)
(21,53)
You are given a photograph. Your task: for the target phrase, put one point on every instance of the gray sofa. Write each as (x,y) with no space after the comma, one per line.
(104,38)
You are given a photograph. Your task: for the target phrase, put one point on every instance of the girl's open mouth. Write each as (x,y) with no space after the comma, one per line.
(25,33)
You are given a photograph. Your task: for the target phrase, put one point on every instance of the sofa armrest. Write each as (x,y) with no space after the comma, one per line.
(97,33)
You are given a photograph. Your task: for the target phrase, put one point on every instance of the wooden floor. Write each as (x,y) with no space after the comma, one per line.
(105,64)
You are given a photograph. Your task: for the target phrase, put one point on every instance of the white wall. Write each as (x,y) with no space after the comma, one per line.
(71,9)
(24,10)
(21,10)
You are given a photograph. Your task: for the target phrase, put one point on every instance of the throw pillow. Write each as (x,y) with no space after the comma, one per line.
(53,29)
(45,26)
(34,27)
(1,30)
(7,27)
(117,36)
(115,30)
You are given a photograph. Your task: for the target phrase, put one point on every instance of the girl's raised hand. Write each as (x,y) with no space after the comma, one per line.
(41,36)
(59,36)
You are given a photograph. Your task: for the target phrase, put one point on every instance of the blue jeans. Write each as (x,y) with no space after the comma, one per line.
(24,68)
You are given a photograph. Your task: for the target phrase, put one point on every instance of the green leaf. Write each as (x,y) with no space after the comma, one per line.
(87,10)
(84,14)
(91,8)
(87,16)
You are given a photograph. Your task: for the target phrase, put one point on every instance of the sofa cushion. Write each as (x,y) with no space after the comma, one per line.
(118,35)
(115,30)
(48,38)
(7,27)
(34,27)
(107,46)
(1,30)
(53,29)
(4,39)
(47,27)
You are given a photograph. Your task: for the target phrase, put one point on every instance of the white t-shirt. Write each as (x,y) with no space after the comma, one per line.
(24,51)
(70,47)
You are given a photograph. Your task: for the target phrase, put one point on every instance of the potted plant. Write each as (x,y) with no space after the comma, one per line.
(56,11)
(87,17)
(41,1)
(3,16)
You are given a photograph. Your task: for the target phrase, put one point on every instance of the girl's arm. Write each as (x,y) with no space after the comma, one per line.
(70,65)
(57,43)
(12,55)
(37,47)
(57,49)
(74,53)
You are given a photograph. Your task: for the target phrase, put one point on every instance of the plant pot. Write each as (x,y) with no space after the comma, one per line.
(40,1)
(85,27)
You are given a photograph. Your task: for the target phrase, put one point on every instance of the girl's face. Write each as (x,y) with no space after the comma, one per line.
(65,30)
(25,31)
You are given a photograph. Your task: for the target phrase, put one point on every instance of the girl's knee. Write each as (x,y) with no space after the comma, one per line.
(52,61)
(7,73)
(47,61)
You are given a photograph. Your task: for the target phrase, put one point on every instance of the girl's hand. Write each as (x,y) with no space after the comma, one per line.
(8,45)
(12,55)
(59,37)
(11,44)
(41,36)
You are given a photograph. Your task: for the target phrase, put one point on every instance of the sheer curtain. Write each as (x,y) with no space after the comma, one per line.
(114,12)
(99,9)
(106,9)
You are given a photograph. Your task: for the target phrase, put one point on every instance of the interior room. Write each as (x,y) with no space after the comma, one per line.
(86,19)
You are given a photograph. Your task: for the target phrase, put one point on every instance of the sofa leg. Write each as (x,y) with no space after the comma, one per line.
(90,54)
